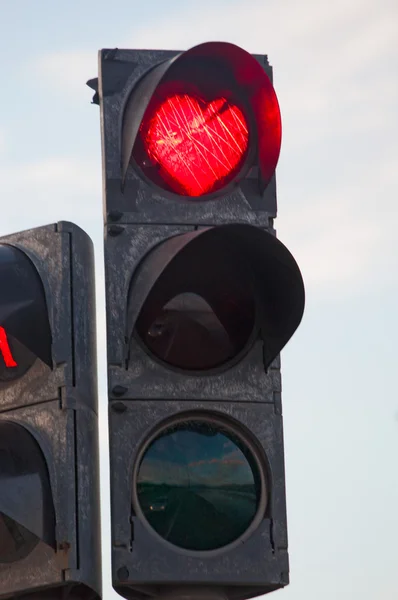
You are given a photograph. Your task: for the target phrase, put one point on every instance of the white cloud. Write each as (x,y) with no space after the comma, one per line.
(55,188)
(334,243)
(344,236)
(2,143)
(68,72)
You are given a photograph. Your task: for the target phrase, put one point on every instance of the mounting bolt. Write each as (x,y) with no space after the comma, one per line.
(64,546)
(123,573)
(115,215)
(115,230)
(119,390)
(118,407)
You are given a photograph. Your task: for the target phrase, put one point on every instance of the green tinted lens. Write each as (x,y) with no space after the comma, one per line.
(198,486)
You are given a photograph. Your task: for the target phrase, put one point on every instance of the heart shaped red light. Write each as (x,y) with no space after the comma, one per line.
(198,146)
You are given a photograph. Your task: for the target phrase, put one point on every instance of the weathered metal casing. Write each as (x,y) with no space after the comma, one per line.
(57,406)
(139,218)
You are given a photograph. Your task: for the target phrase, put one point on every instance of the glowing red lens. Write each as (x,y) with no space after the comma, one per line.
(197,146)
(5,350)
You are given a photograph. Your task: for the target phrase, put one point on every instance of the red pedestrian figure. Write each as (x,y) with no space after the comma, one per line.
(5,349)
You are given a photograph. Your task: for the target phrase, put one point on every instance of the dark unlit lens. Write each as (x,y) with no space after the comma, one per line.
(198,486)
(188,334)
(200,313)
(16,542)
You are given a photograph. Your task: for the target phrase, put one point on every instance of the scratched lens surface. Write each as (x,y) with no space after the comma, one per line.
(198,486)
(197,146)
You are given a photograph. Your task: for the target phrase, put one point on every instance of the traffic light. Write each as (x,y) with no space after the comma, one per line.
(49,472)
(201,298)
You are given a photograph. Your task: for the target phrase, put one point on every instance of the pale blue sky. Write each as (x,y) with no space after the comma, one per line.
(335,72)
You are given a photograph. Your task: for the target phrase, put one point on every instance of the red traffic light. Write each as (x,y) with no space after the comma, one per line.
(25,333)
(196,145)
(198,122)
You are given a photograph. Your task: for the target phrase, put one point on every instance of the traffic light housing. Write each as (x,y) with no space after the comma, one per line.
(49,471)
(201,298)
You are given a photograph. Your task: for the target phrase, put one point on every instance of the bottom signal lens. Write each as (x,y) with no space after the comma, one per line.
(198,485)
(197,146)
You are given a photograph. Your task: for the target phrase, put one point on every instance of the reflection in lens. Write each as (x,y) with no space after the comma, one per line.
(200,313)
(16,542)
(198,486)
(188,333)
